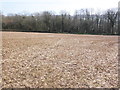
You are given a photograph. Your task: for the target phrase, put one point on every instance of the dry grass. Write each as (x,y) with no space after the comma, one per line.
(59,60)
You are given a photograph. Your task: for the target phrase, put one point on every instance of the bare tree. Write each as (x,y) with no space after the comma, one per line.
(112,16)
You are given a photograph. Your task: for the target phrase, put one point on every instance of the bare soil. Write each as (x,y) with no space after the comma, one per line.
(48,60)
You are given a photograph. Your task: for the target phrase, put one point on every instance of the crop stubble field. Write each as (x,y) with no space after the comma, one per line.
(48,60)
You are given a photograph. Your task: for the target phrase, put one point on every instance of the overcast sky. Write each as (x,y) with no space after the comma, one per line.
(20,6)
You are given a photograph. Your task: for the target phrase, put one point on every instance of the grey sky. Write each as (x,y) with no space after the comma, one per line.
(19,6)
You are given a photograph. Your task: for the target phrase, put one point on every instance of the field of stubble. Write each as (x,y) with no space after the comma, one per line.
(59,60)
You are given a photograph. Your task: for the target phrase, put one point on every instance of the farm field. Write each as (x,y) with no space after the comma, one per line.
(48,60)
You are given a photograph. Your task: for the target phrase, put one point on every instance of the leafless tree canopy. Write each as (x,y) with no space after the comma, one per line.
(83,22)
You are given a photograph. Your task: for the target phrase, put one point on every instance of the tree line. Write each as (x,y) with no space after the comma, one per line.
(82,22)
